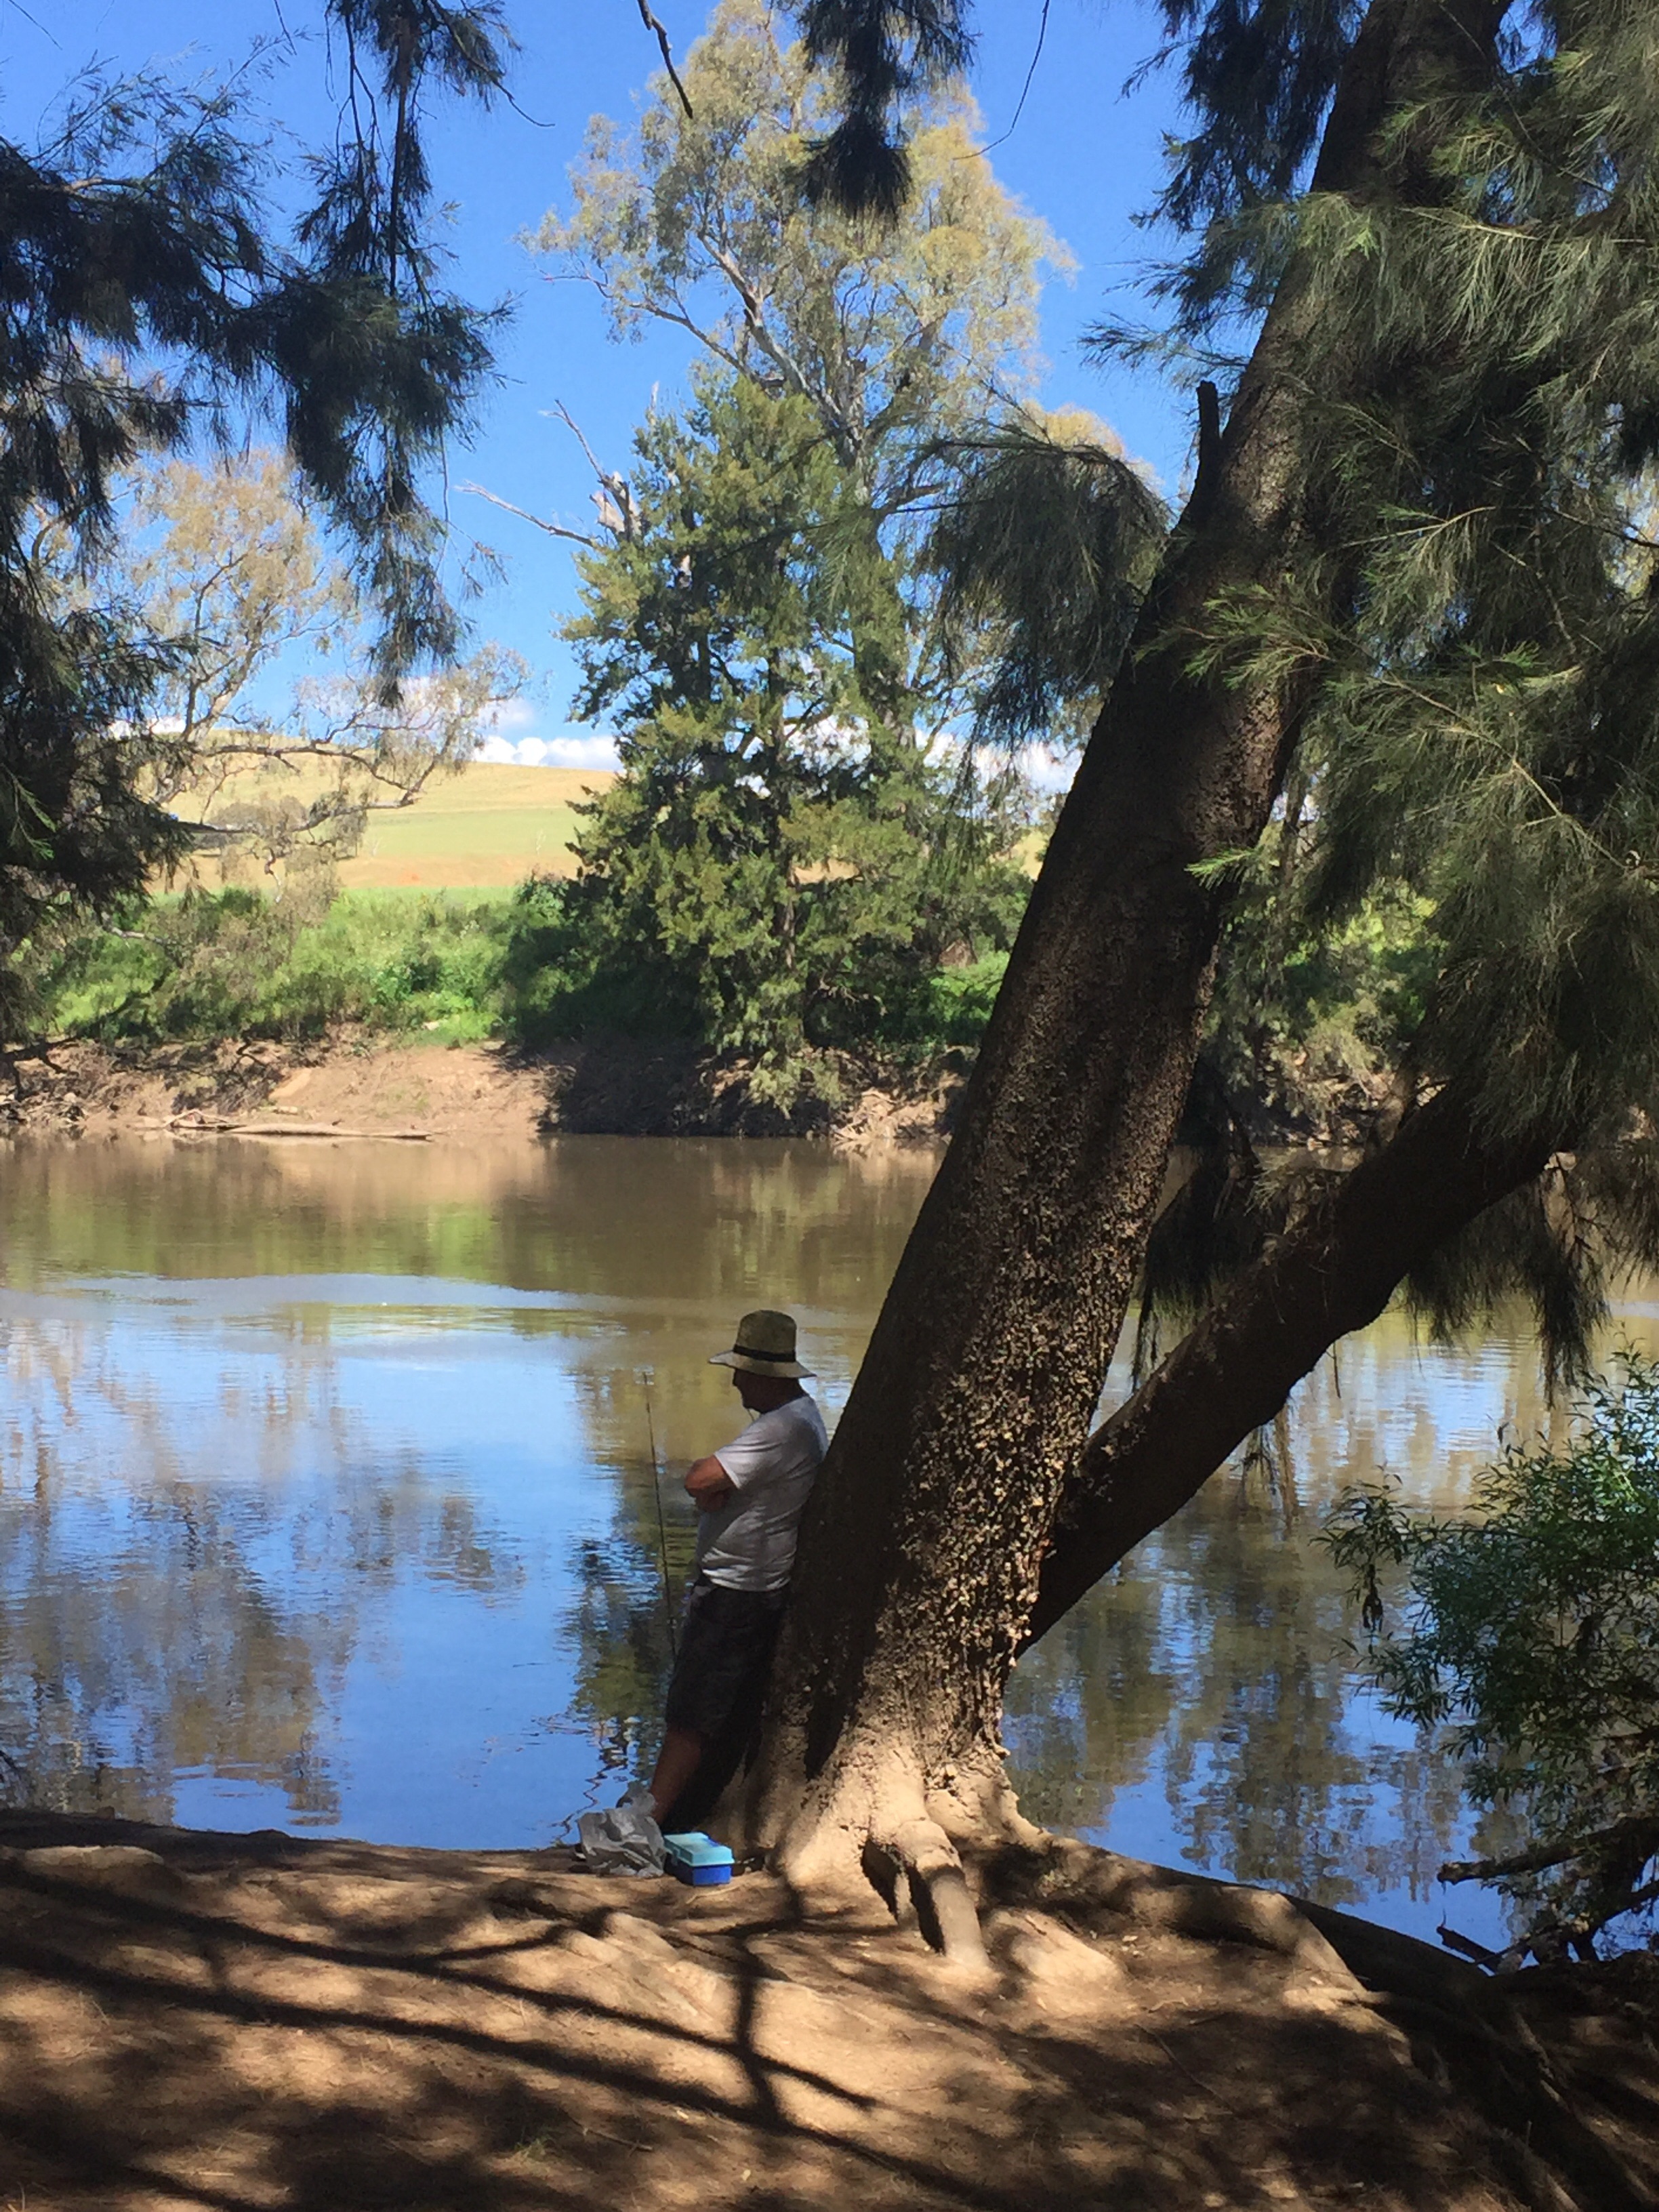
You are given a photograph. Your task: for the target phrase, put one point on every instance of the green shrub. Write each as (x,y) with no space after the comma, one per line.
(237,963)
(960,1000)
(531,964)
(562,976)
(1532,1627)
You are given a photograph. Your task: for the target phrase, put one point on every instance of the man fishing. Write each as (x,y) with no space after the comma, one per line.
(748,1497)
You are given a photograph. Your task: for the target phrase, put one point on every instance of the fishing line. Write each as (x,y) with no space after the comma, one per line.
(662,1526)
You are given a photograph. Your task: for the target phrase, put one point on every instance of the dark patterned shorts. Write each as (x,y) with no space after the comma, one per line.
(726,1643)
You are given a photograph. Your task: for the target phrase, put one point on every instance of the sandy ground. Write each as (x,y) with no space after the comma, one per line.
(195,2021)
(362,1084)
(357,1086)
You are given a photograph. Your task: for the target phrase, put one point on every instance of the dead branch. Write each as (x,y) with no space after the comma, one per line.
(1638,1831)
(651,24)
(553,529)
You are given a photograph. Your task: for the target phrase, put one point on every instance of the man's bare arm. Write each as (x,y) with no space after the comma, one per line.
(708,1486)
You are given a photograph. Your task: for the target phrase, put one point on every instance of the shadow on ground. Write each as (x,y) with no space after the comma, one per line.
(243,2022)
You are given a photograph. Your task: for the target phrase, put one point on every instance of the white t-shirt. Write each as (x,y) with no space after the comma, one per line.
(750,1542)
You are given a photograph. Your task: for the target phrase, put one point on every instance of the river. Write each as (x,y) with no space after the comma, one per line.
(327,1503)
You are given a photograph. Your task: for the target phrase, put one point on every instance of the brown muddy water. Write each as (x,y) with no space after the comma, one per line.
(326,1504)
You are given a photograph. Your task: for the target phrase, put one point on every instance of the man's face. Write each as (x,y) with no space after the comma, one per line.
(761,1393)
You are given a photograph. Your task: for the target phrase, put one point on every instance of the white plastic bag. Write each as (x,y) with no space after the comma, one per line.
(620,1839)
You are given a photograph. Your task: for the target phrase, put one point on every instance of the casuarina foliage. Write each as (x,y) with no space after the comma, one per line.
(152,294)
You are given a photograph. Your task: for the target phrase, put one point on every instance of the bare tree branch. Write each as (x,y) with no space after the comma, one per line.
(614,499)
(651,24)
(553,529)
(576,431)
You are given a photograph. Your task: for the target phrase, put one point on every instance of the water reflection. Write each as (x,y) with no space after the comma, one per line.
(325,1499)
(190,1560)
(326,1488)
(1201,1705)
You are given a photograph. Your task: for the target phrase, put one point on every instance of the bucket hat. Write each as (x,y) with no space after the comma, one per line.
(764,1345)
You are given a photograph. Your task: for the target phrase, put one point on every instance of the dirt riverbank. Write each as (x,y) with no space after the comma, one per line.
(240,2023)
(362,1084)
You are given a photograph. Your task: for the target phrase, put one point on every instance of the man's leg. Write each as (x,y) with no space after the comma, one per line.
(733,1681)
(720,1679)
(686,1724)
(676,1762)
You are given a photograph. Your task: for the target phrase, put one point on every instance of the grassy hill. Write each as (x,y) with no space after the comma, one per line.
(486,828)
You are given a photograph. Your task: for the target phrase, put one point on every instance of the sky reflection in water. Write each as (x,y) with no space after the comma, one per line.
(326,1503)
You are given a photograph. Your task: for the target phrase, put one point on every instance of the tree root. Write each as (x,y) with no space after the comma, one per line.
(1462,2027)
(1490,2051)
(917,1872)
(1466,2025)
(1082,1882)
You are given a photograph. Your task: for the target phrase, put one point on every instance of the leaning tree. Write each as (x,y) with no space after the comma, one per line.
(1413,559)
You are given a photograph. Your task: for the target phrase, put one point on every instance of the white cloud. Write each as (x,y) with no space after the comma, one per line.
(1044,767)
(1047,769)
(503,715)
(572,749)
(512,734)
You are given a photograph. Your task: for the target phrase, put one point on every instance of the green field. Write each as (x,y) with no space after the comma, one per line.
(487,827)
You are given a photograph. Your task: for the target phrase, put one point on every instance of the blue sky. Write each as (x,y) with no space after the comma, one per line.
(1081,155)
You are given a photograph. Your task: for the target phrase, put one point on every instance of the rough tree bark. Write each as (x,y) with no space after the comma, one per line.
(921,1557)
(1332,1273)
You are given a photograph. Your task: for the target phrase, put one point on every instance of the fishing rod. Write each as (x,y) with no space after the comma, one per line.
(662,1526)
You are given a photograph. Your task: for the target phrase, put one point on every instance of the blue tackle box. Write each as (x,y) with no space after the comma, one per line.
(698,1859)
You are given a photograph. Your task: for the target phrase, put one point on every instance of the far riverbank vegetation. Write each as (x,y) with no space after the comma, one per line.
(457,966)
(539,965)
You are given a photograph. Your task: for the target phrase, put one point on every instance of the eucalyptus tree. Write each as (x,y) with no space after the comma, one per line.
(790,844)
(1416,534)
(222,559)
(893,336)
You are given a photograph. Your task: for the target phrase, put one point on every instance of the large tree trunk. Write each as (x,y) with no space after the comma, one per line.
(1334,1271)
(920,1560)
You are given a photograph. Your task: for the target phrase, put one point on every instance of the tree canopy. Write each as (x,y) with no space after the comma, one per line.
(1410,571)
(1470,613)
(154,296)
(223,560)
(895,335)
(798,835)
(786,847)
